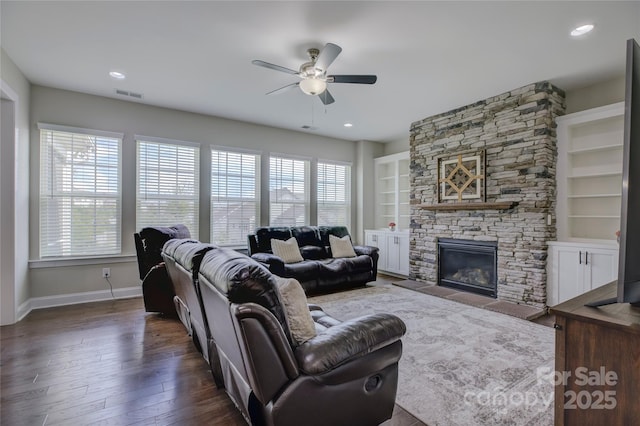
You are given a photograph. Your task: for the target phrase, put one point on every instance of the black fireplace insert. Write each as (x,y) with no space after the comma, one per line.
(468,265)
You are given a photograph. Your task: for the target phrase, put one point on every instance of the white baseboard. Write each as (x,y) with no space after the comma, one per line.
(75,298)
(23,310)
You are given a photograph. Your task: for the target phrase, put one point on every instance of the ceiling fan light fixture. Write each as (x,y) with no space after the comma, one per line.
(313,86)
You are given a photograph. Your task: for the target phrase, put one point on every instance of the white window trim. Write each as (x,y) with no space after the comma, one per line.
(175,142)
(81,130)
(309,197)
(86,131)
(336,162)
(57,262)
(156,139)
(236,149)
(258,189)
(348,185)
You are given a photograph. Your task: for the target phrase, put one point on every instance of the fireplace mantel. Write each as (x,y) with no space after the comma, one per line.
(501,205)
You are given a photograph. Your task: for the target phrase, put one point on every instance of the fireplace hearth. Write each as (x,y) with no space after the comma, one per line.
(468,265)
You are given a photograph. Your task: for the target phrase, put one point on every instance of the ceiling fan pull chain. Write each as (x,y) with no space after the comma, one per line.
(313,123)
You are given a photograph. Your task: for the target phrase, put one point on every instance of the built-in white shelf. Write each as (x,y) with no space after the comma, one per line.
(617,194)
(392,191)
(589,174)
(595,149)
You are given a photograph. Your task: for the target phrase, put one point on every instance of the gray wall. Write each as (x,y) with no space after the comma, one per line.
(396,146)
(366,152)
(600,94)
(14,191)
(62,107)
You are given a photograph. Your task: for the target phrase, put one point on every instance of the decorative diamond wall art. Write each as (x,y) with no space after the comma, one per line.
(461,177)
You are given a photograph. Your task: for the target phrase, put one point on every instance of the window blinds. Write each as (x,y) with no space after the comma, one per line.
(167,185)
(288,192)
(80,192)
(334,200)
(234,196)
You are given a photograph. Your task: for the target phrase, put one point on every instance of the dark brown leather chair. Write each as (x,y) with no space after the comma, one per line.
(157,289)
(346,375)
(182,258)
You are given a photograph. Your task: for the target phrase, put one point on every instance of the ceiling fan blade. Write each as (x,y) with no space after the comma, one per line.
(326,97)
(283,88)
(357,79)
(273,66)
(328,54)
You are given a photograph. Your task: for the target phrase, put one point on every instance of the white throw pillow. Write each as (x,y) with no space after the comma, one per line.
(297,312)
(288,250)
(341,247)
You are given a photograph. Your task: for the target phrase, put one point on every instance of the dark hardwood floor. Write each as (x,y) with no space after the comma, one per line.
(110,363)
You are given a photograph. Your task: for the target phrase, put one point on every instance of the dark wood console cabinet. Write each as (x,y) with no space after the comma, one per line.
(598,352)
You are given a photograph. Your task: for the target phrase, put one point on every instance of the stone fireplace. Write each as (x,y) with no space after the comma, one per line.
(515,133)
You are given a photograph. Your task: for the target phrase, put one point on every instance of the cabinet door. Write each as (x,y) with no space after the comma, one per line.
(393,253)
(569,273)
(601,267)
(398,253)
(403,248)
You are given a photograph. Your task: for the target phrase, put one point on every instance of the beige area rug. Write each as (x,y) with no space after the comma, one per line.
(461,365)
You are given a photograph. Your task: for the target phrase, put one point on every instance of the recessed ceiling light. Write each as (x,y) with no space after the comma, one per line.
(348,125)
(581,30)
(117,75)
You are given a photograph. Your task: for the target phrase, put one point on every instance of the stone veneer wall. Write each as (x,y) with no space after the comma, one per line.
(517,131)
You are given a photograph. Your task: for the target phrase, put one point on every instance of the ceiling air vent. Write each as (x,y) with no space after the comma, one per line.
(127,93)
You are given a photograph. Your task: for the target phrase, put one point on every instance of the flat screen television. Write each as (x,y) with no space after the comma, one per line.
(629,255)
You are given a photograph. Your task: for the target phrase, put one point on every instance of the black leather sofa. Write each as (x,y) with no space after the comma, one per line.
(346,375)
(318,272)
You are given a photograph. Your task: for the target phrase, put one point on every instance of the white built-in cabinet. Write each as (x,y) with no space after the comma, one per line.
(391,205)
(393,250)
(589,190)
(575,268)
(392,191)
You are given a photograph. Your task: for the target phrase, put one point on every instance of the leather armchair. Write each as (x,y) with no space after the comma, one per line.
(347,374)
(157,288)
(182,258)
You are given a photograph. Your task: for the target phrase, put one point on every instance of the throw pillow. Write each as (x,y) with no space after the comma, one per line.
(341,247)
(296,310)
(288,250)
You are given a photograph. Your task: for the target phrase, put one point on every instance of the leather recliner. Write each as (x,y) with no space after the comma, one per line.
(157,289)
(182,258)
(346,375)
(319,271)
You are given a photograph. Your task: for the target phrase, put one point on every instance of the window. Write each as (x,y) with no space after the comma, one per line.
(334,196)
(167,184)
(288,192)
(234,196)
(80,198)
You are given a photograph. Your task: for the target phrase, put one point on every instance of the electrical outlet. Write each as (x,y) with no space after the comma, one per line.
(106,272)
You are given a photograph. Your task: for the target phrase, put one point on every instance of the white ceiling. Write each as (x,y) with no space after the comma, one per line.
(429,56)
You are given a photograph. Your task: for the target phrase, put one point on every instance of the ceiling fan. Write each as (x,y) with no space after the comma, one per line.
(314,73)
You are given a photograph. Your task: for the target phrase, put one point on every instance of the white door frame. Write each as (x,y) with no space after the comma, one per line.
(8,151)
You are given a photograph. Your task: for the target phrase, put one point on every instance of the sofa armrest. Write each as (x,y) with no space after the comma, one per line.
(373,253)
(274,263)
(368,250)
(348,341)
